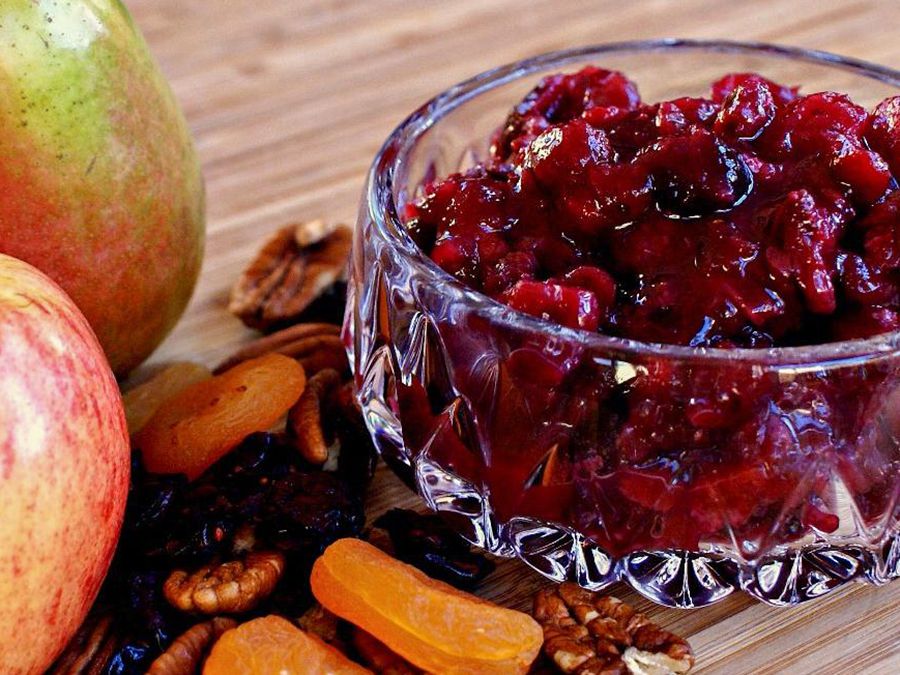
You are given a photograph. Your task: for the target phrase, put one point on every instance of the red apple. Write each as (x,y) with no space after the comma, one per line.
(64,464)
(99,183)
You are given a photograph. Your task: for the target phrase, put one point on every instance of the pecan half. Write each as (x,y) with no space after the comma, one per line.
(293,268)
(331,355)
(589,634)
(184,655)
(229,588)
(295,341)
(379,657)
(320,622)
(304,422)
(90,649)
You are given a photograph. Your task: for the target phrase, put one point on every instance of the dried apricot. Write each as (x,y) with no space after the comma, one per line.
(193,429)
(144,400)
(429,623)
(272,644)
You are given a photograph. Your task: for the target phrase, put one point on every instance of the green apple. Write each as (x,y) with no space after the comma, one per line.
(99,183)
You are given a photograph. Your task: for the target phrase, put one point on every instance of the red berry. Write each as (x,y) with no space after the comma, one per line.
(571,307)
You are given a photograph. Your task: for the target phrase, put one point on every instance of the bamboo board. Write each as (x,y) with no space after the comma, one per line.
(290,99)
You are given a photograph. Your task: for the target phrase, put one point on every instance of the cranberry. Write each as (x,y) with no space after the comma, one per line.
(810,235)
(816,123)
(596,280)
(729,221)
(695,174)
(508,270)
(560,154)
(681,113)
(747,110)
(883,133)
(724,86)
(572,307)
(882,234)
(863,171)
(559,99)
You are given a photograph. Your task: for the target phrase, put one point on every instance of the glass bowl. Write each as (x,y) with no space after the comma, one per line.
(776,472)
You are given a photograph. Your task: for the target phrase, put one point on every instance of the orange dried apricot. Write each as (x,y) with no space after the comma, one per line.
(197,426)
(270,645)
(144,400)
(429,623)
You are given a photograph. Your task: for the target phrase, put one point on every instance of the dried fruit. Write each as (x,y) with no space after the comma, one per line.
(378,657)
(229,588)
(272,644)
(429,623)
(588,633)
(294,267)
(144,400)
(294,341)
(431,545)
(184,655)
(305,423)
(198,426)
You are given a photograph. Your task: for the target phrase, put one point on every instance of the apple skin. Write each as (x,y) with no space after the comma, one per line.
(99,183)
(64,468)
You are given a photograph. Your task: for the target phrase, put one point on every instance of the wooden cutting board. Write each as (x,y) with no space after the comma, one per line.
(290,99)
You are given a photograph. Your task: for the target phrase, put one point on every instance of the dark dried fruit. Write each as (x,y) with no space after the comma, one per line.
(132,658)
(427,542)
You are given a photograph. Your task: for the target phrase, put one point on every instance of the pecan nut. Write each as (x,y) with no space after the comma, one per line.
(297,341)
(229,588)
(293,268)
(588,633)
(320,622)
(304,422)
(184,655)
(90,649)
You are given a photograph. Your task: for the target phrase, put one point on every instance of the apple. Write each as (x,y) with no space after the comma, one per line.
(64,467)
(99,183)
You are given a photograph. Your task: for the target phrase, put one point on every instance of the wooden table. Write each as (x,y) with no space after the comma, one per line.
(290,99)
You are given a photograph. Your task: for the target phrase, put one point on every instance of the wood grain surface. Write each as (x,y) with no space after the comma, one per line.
(290,99)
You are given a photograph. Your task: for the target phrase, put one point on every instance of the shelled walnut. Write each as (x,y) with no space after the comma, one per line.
(591,634)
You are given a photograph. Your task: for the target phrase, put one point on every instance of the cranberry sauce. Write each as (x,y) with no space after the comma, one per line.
(755,217)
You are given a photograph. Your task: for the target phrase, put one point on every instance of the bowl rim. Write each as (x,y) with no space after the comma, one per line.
(382,209)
